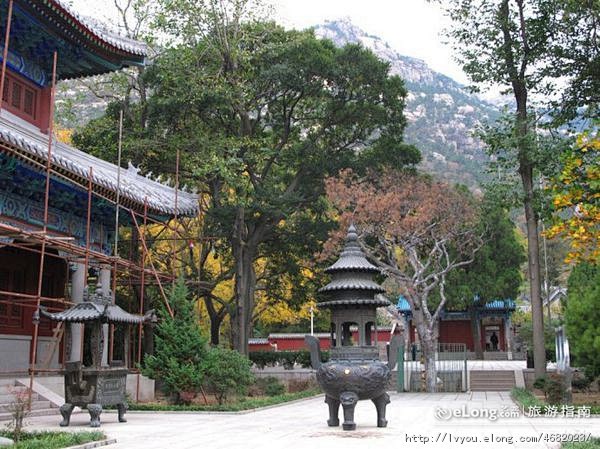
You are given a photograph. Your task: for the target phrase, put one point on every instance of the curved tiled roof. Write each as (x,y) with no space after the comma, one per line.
(100,30)
(352,284)
(378,302)
(498,304)
(89,311)
(29,140)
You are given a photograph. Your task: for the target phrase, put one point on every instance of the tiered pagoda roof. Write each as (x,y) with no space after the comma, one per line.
(352,282)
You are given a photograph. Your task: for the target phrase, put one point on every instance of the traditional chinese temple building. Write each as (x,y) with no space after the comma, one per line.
(58,205)
(493,327)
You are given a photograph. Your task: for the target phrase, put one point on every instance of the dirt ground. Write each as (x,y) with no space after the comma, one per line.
(588,398)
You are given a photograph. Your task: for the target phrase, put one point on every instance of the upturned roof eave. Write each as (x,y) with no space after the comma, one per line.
(22,137)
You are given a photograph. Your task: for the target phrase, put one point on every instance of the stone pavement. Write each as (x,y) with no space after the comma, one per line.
(302,425)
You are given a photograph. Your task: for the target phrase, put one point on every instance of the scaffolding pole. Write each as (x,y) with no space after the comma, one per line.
(154,272)
(116,244)
(142,292)
(36,324)
(176,222)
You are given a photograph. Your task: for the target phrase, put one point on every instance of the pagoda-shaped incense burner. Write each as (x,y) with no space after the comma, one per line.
(354,371)
(95,386)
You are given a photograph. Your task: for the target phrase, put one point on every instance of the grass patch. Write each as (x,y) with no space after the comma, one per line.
(238,406)
(594,443)
(526,398)
(52,440)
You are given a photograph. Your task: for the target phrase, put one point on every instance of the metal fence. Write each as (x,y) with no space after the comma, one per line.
(450,363)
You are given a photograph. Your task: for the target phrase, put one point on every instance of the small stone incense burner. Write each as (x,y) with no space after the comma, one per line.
(354,371)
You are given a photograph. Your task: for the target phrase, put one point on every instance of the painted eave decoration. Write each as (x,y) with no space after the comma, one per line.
(31,145)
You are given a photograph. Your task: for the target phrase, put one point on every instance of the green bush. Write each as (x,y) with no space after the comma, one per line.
(540,383)
(554,389)
(581,383)
(180,349)
(227,372)
(273,387)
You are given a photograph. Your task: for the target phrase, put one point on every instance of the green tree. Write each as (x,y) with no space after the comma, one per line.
(576,60)
(262,116)
(582,317)
(508,44)
(496,269)
(180,349)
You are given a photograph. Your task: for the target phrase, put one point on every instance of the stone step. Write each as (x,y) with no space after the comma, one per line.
(6,381)
(7,398)
(492,375)
(486,377)
(492,388)
(491,384)
(489,380)
(35,405)
(41,412)
(7,389)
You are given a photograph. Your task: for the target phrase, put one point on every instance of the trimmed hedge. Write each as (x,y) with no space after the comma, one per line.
(285,358)
(240,405)
(53,440)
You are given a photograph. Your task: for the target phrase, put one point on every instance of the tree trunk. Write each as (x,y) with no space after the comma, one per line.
(428,337)
(430,369)
(533,245)
(216,319)
(533,256)
(476,332)
(215,327)
(245,286)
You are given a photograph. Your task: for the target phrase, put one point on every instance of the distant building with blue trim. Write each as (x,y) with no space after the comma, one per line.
(488,321)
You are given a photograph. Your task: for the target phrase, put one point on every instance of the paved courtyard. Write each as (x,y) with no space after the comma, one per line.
(412,424)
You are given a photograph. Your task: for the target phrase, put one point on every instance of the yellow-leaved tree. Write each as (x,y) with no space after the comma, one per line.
(577,199)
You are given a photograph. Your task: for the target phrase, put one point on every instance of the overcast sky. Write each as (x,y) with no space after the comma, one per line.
(412,27)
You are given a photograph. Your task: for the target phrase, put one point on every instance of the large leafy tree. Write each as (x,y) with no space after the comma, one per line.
(508,44)
(262,116)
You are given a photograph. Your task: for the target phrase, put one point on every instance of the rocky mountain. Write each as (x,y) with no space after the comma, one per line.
(441,113)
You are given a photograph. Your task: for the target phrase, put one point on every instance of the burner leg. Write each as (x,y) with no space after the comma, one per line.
(122,408)
(334,407)
(349,400)
(65,411)
(381,403)
(95,410)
